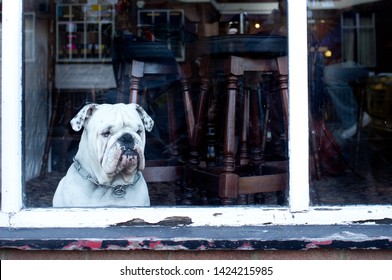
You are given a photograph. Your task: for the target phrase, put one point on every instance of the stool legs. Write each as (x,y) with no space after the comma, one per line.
(228,180)
(189,191)
(173,134)
(136,73)
(283,89)
(200,116)
(185,74)
(243,155)
(229,134)
(256,139)
(233,183)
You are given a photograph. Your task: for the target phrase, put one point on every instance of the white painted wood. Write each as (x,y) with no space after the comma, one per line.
(11,107)
(4,219)
(298,112)
(200,216)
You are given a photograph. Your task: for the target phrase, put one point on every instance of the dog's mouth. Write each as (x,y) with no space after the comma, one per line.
(128,152)
(129,159)
(120,158)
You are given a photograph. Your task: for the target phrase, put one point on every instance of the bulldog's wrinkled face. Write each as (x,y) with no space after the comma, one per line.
(115,135)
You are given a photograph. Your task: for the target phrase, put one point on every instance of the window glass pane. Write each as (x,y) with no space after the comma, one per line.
(212,78)
(350,94)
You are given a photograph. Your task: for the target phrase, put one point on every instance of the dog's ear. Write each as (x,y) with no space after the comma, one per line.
(78,121)
(147,120)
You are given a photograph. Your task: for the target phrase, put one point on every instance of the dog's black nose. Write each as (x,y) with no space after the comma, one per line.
(126,140)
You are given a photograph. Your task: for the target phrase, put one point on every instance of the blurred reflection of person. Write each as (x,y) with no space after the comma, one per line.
(276,23)
(338,77)
(277,26)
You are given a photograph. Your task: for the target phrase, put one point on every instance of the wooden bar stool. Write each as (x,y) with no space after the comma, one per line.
(242,173)
(144,59)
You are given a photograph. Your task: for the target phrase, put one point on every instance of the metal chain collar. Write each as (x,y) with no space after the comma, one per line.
(119,191)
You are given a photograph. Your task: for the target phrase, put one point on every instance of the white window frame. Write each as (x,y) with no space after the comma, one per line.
(299,211)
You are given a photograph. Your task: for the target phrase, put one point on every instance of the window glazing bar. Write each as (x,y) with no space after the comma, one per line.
(11,107)
(298,106)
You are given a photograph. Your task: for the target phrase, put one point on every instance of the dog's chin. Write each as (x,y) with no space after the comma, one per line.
(126,178)
(123,174)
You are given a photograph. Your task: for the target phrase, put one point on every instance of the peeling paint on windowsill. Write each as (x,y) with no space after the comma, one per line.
(200,238)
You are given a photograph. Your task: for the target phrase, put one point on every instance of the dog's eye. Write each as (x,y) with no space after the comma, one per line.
(106,134)
(139,132)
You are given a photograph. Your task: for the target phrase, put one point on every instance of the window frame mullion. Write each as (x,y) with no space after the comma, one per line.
(298,106)
(11,107)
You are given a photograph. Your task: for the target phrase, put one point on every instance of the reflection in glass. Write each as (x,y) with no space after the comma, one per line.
(350,84)
(170,57)
(212,77)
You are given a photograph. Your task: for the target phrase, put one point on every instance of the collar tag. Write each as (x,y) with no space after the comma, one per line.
(119,191)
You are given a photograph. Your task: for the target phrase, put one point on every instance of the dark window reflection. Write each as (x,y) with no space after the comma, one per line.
(213,77)
(350,99)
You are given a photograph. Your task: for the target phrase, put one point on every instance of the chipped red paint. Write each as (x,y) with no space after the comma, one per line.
(91,244)
(155,245)
(85,244)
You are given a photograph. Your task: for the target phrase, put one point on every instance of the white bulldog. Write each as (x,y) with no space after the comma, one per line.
(107,166)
